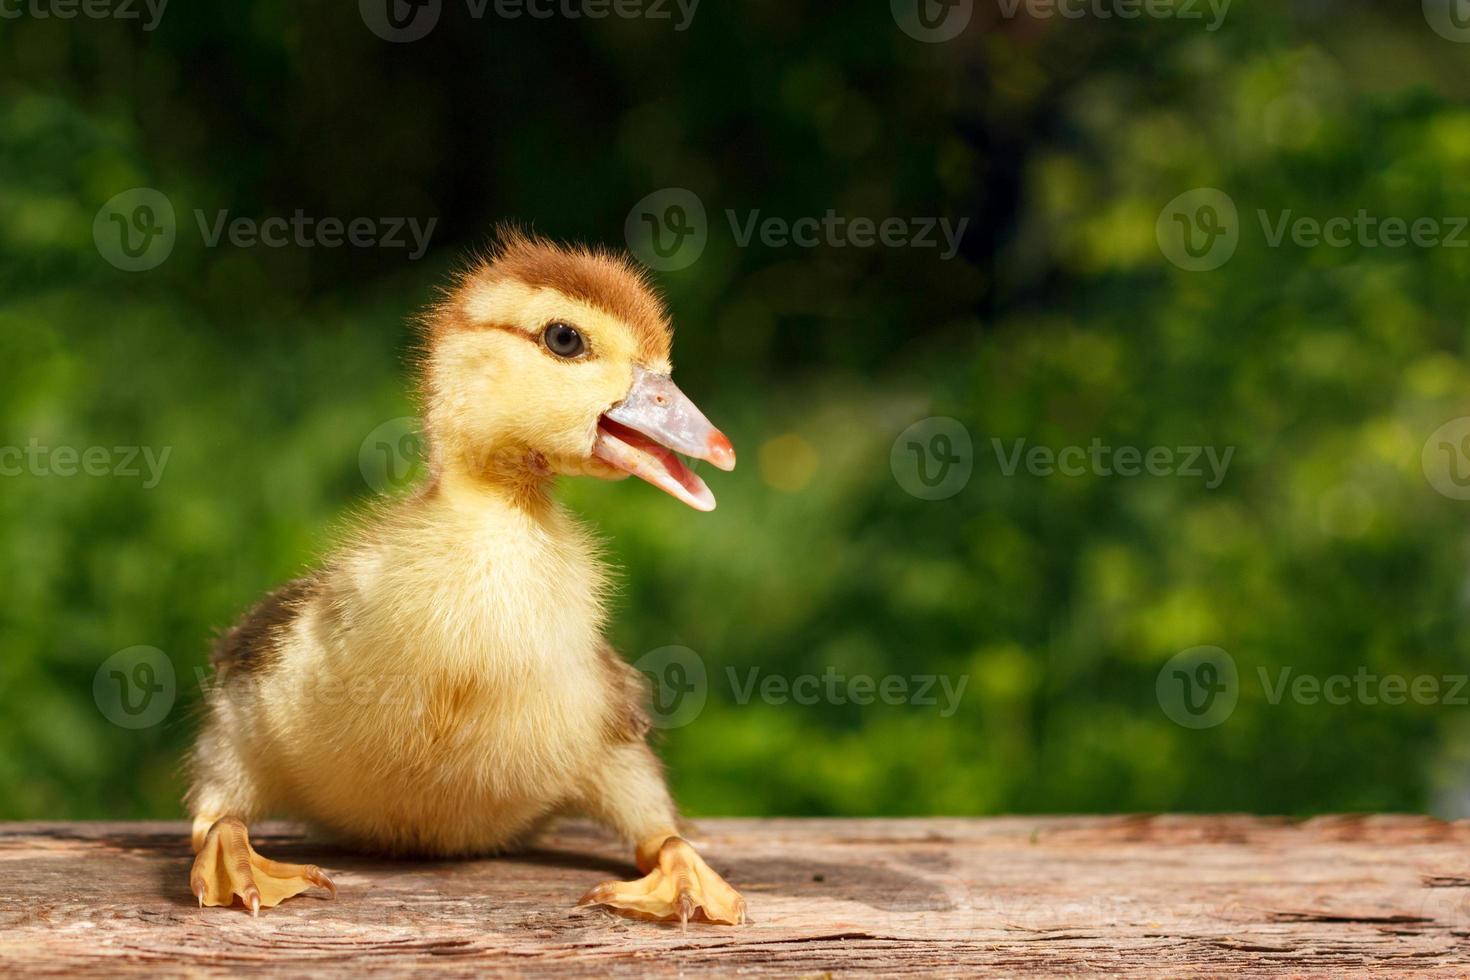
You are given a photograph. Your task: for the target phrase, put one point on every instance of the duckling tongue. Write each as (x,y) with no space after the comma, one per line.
(633,452)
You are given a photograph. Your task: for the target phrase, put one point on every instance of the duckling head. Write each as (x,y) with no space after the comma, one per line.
(544,359)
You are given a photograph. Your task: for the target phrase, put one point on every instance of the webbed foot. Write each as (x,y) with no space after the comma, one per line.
(227,867)
(680,886)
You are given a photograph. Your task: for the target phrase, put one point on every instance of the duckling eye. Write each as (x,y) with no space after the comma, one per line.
(564,340)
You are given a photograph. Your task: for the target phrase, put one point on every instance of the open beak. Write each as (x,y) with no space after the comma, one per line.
(642,433)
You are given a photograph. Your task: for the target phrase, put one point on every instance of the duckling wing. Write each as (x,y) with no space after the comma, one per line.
(254,642)
(628,721)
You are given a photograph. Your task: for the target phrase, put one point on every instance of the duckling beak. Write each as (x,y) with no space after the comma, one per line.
(643,433)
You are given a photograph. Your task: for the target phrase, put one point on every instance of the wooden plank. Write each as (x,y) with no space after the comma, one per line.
(1142,896)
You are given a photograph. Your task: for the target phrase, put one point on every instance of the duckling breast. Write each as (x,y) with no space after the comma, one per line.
(444,690)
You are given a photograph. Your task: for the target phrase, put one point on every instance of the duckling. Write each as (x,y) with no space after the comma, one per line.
(441,686)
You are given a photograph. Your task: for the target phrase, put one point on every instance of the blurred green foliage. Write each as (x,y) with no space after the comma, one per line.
(1059,598)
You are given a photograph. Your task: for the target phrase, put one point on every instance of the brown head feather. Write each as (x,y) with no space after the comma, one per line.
(599,277)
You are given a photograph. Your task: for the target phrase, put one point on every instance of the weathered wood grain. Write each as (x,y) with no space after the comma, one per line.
(1165,896)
